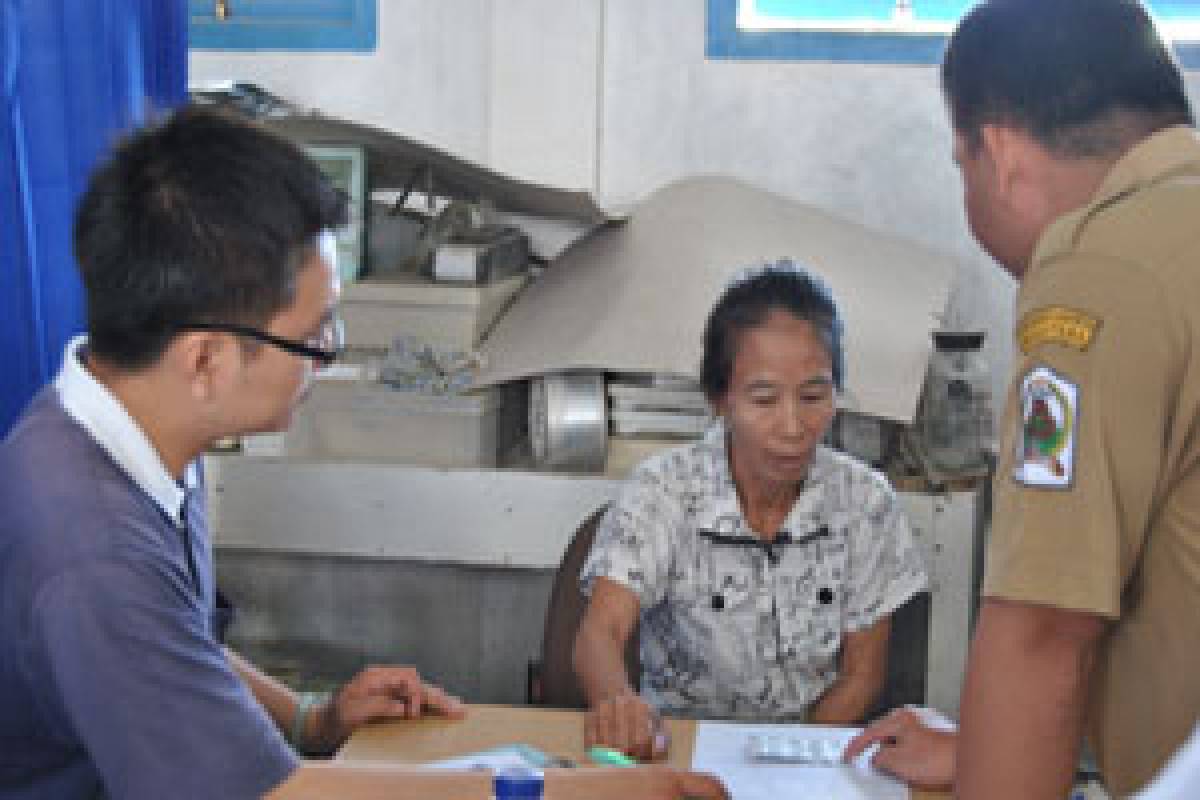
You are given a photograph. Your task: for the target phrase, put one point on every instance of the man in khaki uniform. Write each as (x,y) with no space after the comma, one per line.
(1097,498)
(1082,178)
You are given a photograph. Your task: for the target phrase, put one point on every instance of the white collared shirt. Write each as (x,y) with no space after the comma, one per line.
(100,413)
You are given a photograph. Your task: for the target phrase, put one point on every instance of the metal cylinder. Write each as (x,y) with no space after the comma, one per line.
(568,421)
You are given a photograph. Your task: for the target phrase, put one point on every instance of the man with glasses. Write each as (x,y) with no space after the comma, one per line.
(208,264)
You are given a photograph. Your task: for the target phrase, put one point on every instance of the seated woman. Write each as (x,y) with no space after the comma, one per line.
(763,567)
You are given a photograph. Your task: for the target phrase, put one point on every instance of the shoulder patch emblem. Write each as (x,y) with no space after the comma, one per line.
(1056,325)
(1045,454)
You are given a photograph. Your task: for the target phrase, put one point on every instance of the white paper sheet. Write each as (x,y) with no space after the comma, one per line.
(722,749)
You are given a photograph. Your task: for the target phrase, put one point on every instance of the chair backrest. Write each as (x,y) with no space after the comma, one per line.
(559,688)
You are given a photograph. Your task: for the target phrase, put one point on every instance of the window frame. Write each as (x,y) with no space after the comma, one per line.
(354,30)
(725,41)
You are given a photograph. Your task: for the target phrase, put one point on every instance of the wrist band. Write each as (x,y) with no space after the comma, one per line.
(306,703)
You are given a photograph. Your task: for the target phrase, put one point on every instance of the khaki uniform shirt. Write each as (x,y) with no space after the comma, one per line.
(1097,495)
(731,627)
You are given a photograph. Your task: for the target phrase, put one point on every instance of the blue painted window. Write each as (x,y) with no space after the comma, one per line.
(282,24)
(878,31)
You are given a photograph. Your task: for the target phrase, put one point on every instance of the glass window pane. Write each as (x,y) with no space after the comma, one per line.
(1175,9)
(879,10)
(806,13)
(879,31)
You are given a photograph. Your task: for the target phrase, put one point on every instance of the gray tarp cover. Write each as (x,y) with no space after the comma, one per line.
(634,296)
(396,160)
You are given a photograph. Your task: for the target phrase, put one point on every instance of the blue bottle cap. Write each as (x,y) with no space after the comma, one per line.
(517,783)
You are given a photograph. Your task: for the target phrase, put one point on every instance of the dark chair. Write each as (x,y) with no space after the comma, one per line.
(908,653)
(223,615)
(552,679)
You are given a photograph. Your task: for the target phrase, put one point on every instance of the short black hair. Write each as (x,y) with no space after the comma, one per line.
(1080,76)
(201,216)
(749,300)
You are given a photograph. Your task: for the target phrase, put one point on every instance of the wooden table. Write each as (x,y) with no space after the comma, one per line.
(558,733)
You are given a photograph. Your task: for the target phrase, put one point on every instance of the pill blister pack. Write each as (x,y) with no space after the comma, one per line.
(792,748)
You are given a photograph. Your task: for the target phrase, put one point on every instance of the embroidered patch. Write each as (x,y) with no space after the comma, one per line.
(1046,443)
(1056,325)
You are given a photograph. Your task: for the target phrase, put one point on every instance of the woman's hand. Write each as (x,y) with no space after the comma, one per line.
(627,723)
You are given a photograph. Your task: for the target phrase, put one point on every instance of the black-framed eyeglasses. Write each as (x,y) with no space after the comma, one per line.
(324,348)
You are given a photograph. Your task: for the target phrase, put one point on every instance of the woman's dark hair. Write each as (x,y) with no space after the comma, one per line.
(1079,76)
(748,301)
(200,217)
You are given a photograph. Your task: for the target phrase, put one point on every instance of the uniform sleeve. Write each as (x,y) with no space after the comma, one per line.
(1082,439)
(149,692)
(633,541)
(884,568)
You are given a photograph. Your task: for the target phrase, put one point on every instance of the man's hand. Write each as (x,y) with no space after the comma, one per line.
(915,753)
(644,783)
(376,694)
(676,783)
(627,723)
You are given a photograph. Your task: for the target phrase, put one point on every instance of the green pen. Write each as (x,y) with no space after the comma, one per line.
(608,757)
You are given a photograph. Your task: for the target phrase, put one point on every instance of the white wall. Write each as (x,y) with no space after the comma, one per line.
(544,89)
(867,142)
(428,78)
(510,84)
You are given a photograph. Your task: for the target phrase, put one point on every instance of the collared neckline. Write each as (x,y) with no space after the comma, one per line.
(100,413)
(1148,161)
(722,503)
(1152,159)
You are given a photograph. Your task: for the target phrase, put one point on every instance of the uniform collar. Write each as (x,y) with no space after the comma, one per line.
(100,413)
(719,509)
(1155,158)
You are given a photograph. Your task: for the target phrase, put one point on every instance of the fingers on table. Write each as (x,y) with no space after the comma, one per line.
(700,785)
(884,731)
(662,738)
(405,694)
(625,723)
(439,701)
(387,691)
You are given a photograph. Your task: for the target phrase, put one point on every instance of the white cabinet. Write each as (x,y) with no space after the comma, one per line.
(948,528)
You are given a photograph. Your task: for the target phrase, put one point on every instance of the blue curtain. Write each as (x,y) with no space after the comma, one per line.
(74,75)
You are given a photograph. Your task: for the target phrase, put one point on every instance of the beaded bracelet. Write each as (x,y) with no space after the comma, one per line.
(306,703)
